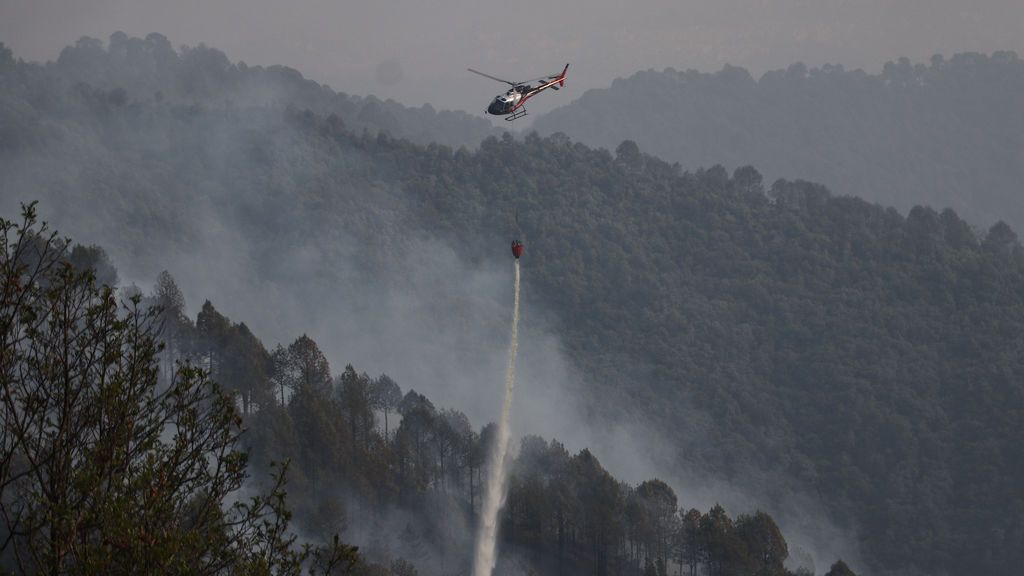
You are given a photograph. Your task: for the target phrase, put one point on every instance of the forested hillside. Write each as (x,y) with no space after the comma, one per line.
(405,478)
(121,455)
(778,337)
(868,356)
(151,70)
(948,134)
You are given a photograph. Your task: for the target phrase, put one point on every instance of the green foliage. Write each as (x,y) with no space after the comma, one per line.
(106,468)
(103,468)
(765,547)
(567,512)
(828,345)
(946,133)
(877,349)
(231,353)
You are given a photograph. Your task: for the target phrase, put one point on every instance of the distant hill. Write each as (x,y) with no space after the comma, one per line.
(140,70)
(948,134)
(779,337)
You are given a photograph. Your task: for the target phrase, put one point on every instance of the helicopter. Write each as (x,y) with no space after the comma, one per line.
(511,103)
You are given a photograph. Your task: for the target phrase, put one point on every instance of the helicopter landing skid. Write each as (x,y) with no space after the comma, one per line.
(516,115)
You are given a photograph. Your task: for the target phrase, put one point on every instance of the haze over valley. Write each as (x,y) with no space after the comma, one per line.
(769,321)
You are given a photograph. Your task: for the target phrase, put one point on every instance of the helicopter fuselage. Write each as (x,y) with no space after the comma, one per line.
(510,104)
(505,103)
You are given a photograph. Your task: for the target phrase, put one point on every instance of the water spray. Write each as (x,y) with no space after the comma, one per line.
(494,497)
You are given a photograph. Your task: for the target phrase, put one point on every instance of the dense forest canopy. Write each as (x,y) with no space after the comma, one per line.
(949,133)
(779,337)
(119,454)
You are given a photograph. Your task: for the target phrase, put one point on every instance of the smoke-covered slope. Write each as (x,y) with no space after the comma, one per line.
(138,70)
(948,134)
(788,341)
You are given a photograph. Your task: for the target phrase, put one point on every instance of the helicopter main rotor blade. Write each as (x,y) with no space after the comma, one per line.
(492,77)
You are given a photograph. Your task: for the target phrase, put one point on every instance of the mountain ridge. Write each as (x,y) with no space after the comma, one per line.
(911,134)
(822,343)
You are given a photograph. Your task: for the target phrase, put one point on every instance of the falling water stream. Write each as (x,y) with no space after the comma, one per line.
(494,497)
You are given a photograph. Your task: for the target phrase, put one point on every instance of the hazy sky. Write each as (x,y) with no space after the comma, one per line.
(417,51)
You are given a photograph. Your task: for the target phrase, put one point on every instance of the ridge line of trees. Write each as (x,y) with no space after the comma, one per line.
(564,512)
(119,452)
